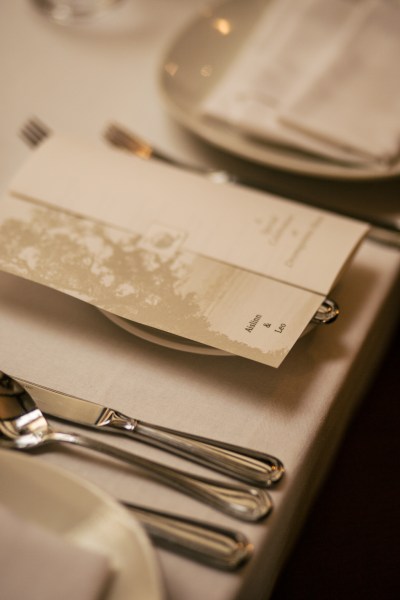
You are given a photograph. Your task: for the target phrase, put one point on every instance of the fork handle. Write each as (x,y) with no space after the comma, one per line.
(256,468)
(210,544)
(237,500)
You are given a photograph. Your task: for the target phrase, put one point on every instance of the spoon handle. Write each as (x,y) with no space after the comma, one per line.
(210,544)
(240,501)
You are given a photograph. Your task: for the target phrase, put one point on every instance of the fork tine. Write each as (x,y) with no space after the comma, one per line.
(121,138)
(124,138)
(33,132)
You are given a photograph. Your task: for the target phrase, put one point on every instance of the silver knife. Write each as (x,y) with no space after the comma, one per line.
(244,464)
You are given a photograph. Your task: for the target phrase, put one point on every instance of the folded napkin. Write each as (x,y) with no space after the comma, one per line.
(321,77)
(37,564)
(354,99)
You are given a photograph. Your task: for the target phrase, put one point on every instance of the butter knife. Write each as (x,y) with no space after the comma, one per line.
(244,464)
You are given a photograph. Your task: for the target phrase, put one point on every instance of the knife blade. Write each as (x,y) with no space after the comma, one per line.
(251,466)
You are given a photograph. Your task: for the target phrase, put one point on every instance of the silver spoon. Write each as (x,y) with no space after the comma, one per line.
(26,428)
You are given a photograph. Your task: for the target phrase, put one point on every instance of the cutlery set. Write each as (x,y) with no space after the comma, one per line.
(24,427)
(34,131)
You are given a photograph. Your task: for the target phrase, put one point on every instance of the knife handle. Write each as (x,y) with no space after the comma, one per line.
(256,468)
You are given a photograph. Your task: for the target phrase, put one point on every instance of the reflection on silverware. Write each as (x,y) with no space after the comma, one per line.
(328,312)
(25,428)
(127,140)
(122,138)
(207,543)
(256,468)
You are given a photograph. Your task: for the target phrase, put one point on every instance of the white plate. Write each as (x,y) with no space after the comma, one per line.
(327,313)
(163,338)
(199,50)
(87,517)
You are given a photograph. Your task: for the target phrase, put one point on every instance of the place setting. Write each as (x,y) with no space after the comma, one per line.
(178,342)
(23,426)
(39,236)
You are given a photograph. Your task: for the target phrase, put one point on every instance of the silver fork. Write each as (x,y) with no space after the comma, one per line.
(120,137)
(34,131)
(124,139)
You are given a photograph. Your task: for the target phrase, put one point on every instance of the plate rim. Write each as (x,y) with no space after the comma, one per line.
(143,332)
(110,507)
(329,311)
(231,141)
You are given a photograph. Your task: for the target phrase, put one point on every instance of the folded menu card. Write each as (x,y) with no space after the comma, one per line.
(233,268)
(319,76)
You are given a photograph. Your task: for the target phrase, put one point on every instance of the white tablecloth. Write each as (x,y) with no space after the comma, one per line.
(77,81)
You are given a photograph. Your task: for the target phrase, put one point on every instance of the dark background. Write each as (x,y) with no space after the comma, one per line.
(350,544)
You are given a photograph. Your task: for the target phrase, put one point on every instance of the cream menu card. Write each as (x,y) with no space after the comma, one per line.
(226,266)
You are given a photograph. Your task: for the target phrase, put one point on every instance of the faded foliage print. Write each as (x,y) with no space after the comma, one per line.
(94,262)
(109,268)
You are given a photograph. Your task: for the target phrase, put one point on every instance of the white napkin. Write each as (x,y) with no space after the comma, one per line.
(354,100)
(321,77)
(37,564)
